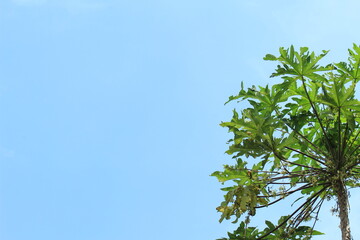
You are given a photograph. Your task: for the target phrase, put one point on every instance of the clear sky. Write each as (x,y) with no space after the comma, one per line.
(110,109)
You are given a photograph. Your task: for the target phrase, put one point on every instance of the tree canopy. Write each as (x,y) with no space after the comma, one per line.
(298,137)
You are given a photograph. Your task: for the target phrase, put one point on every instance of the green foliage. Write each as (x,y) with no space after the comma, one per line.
(302,137)
(276,233)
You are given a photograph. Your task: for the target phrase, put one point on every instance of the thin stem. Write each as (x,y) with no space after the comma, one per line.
(308,213)
(307,155)
(317,116)
(353,142)
(354,151)
(262,206)
(317,215)
(289,192)
(301,165)
(304,213)
(344,140)
(287,219)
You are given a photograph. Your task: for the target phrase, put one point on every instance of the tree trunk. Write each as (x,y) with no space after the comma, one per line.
(342,201)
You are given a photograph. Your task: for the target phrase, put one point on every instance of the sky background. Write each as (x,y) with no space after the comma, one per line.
(110,110)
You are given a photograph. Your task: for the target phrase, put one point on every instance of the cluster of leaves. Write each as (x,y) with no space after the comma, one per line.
(303,134)
(276,233)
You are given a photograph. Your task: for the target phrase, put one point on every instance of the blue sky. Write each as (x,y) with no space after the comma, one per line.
(110,109)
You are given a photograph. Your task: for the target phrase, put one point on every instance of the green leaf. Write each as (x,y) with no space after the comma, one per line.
(270,57)
(270,224)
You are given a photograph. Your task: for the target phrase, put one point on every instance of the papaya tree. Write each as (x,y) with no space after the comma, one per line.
(300,138)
